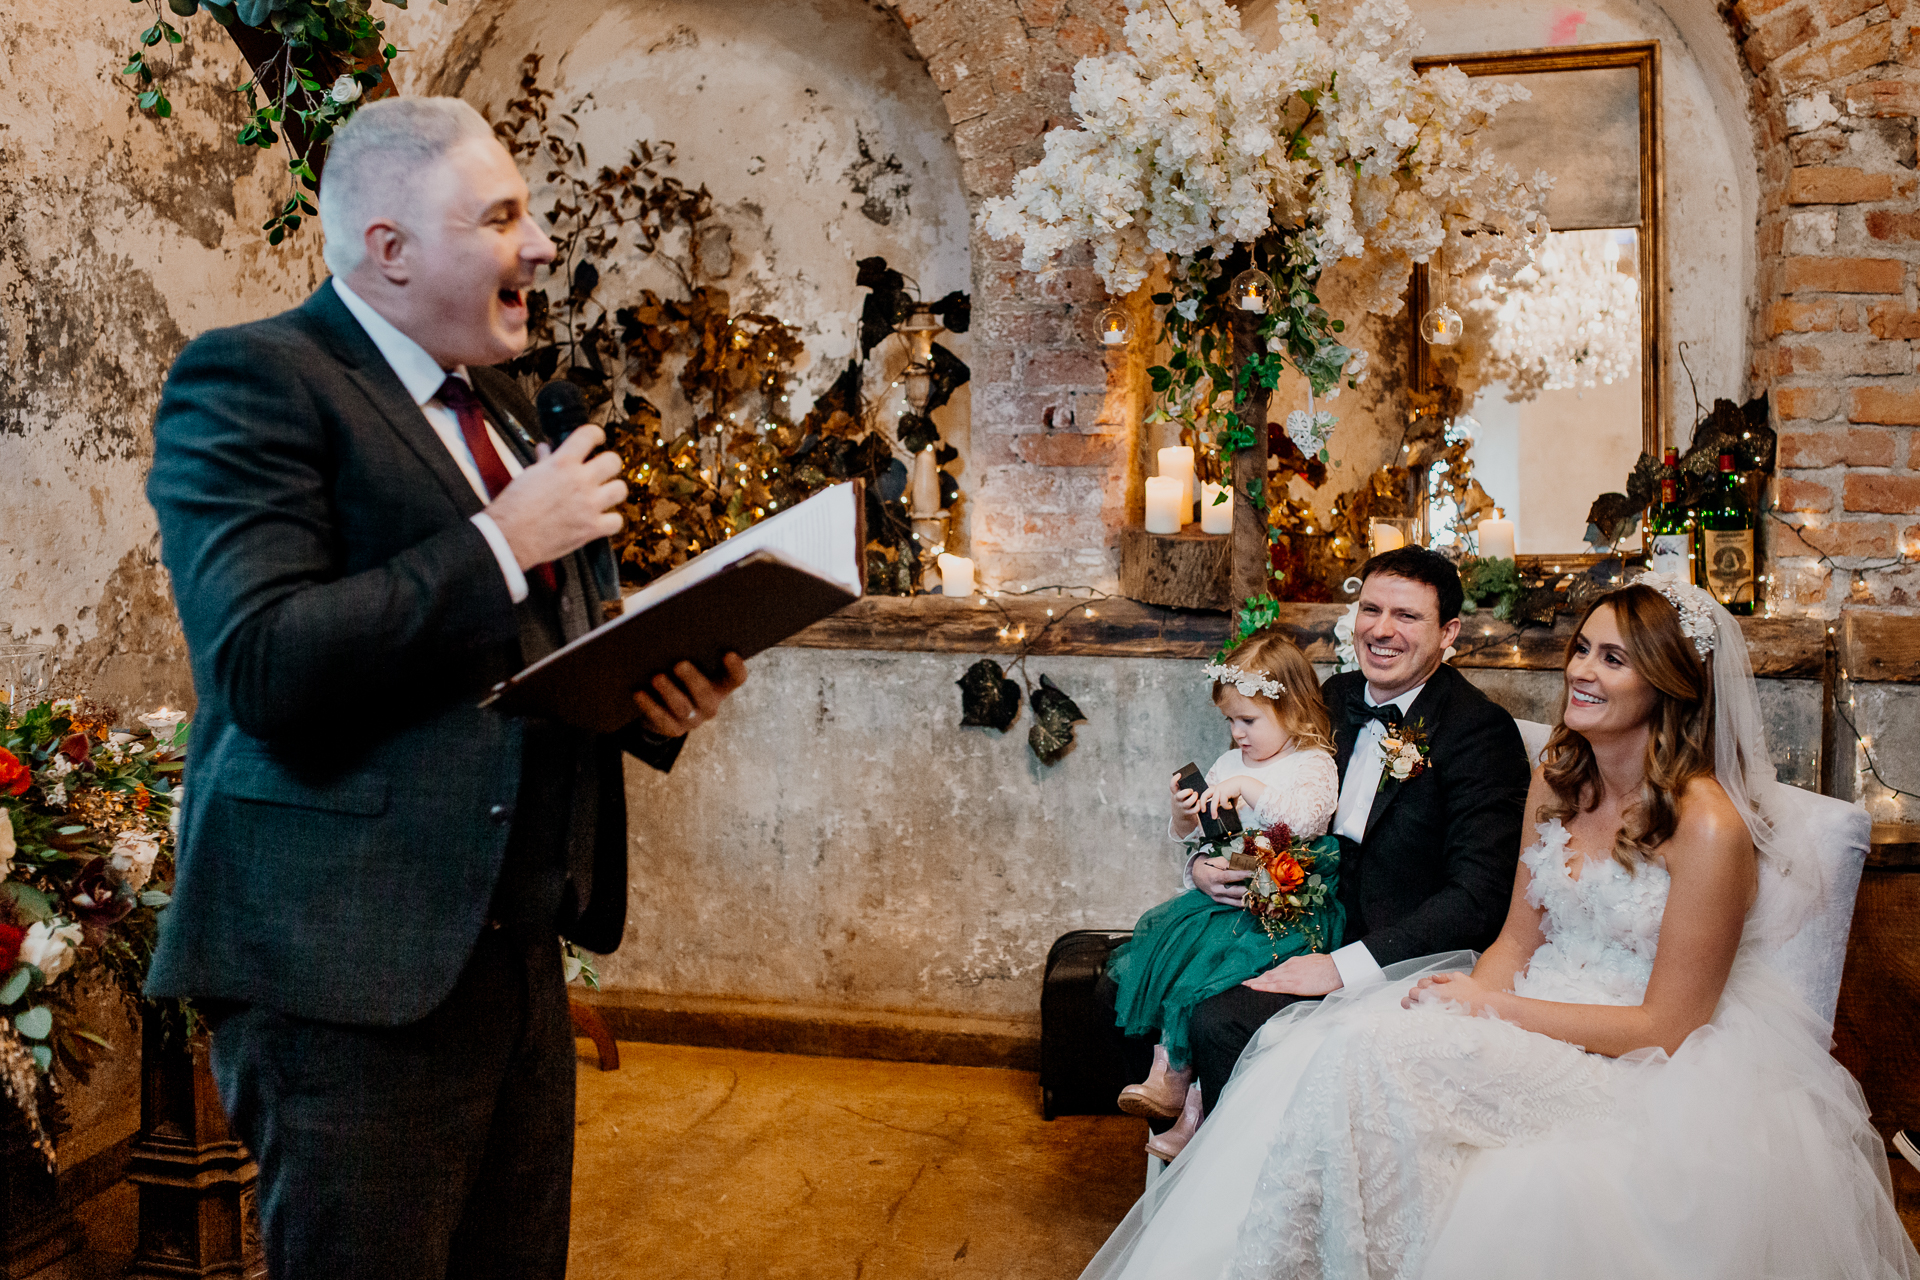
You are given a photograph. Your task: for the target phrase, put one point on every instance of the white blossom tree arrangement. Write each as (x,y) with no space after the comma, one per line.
(1200,152)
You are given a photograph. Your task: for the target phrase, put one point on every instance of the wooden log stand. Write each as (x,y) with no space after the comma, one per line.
(1185,570)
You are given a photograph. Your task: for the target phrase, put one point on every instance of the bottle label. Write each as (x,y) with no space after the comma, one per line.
(1729,564)
(1670,554)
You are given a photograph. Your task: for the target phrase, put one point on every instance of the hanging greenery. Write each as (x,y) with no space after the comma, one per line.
(314,63)
(741,457)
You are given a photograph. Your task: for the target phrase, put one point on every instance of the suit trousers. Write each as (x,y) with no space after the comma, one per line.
(430,1151)
(1220,1031)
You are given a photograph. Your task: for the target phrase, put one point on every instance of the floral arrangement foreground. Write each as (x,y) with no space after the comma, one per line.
(87,825)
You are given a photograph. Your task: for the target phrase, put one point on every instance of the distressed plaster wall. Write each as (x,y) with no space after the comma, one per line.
(898,864)
(817,129)
(119,238)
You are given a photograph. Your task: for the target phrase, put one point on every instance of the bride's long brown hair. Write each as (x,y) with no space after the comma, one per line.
(1680,747)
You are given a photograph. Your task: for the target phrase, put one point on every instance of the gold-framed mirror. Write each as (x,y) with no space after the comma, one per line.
(1561,369)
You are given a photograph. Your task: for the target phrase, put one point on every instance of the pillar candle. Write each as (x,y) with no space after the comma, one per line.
(1163,504)
(1177,461)
(956,575)
(1496,537)
(1215,519)
(1386,537)
(926,484)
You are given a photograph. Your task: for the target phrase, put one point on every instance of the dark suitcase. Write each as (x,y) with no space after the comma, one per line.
(1084,1060)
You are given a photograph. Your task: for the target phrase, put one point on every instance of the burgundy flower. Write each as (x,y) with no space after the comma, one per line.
(11,936)
(98,895)
(77,747)
(14,776)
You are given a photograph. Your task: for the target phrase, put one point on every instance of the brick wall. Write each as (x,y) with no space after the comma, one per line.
(1044,505)
(1836,89)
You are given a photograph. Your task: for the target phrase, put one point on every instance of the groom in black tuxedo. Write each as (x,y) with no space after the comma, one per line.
(1427,862)
(365,532)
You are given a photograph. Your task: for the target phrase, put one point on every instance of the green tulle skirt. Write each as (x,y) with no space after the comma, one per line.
(1190,948)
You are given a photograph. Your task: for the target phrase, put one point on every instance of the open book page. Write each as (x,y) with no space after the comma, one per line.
(819,535)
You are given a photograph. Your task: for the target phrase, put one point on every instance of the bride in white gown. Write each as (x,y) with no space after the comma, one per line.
(1447,1126)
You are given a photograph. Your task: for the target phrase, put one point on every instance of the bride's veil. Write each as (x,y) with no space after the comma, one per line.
(1790,879)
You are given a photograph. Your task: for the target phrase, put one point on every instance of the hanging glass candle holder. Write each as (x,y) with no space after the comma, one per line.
(1442,325)
(1253,291)
(1116,328)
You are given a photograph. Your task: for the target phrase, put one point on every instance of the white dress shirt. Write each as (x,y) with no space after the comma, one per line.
(1357,791)
(422,375)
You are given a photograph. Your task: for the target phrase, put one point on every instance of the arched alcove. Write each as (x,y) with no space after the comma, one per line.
(813,123)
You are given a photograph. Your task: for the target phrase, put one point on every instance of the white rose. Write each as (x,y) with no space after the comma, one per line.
(1401,768)
(132,856)
(49,947)
(346,89)
(6,843)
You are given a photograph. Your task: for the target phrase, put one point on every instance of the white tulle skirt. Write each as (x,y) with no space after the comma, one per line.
(1362,1141)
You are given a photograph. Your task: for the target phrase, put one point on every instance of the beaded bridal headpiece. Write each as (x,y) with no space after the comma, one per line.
(1247,682)
(1694,606)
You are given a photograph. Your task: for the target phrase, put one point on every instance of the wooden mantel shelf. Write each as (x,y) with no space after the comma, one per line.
(1870,646)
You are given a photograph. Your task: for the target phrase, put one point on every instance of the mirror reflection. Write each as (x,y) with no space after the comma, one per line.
(1549,368)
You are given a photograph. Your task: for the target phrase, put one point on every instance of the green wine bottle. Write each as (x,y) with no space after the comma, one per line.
(1723,551)
(1670,530)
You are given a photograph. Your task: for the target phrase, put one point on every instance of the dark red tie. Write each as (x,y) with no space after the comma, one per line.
(458,396)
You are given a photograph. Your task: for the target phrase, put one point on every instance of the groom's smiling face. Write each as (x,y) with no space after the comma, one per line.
(1398,634)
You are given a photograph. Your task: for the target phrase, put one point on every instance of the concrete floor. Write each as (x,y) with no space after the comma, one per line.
(703,1164)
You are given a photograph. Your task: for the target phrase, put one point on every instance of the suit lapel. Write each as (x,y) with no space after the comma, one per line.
(1425,709)
(369,371)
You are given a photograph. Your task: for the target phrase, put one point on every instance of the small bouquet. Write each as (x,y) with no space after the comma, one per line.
(1287,892)
(87,819)
(1403,754)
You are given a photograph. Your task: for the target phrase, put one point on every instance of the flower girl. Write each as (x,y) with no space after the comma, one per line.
(1280,777)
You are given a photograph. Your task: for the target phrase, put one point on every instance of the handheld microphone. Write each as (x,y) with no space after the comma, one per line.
(561,408)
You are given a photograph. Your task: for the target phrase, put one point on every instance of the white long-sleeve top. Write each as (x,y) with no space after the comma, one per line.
(1303,790)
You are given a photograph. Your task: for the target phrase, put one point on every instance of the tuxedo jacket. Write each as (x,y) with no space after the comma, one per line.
(1435,870)
(348,803)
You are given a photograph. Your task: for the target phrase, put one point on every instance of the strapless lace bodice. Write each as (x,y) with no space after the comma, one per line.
(1602,929)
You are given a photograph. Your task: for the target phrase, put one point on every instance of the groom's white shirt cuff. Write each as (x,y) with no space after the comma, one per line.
(1357,966)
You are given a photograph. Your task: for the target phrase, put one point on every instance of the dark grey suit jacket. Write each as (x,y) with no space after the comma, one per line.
(348,803)
(1435,872)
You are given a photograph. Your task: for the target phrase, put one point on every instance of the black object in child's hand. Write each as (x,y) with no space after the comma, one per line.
(1212,826)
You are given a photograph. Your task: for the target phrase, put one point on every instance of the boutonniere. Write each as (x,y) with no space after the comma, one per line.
(1404,754)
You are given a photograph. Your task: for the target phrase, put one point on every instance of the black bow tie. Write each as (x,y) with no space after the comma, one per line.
(1359,710)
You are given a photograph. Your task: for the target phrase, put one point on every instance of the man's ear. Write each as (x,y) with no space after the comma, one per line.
(387,251)
(1449,633)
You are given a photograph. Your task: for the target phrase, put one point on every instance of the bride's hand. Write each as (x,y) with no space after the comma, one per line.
(1450,988)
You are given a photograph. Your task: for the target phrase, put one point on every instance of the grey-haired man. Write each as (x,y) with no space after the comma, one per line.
(364,533)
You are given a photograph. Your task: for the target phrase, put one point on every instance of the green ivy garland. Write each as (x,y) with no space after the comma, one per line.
(314,62)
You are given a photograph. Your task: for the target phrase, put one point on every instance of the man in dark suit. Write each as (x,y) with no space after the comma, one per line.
(365,533)
(1427,862)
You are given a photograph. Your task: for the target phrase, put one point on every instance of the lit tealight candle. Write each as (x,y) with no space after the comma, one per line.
(956,576)
(1163,503)
(1496,537)
(1176,462)
(1216,516)
(1386,537)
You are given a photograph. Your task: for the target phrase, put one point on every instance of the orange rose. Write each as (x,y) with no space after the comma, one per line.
(1287,873)
(14,776)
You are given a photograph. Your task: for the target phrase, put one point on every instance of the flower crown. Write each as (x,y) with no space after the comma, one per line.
(1247,682)
(1694,606)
